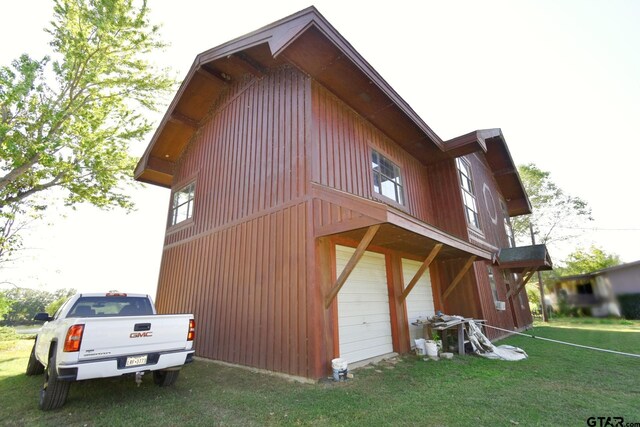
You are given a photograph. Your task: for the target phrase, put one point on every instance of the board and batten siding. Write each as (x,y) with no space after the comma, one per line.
(342,144)
(447,199)
(242,263)
(500,318)
(250,155)
(250,307)
(494,236)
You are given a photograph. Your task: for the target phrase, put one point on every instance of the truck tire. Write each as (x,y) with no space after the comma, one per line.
(54,392)
(33,366)
(165,378)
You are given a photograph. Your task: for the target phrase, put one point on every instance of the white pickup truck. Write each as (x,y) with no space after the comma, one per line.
(108,335)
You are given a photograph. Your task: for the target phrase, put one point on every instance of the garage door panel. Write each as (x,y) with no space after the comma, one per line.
(364,344)
(358,355)
(419,302)
(364,322)
(351,298)
(366,331)
(363,319)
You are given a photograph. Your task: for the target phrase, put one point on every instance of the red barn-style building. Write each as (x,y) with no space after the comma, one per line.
(314,214)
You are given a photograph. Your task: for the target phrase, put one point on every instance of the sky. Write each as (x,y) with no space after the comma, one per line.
(561,79)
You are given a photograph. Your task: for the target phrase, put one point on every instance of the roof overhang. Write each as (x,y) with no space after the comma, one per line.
(525,258)
(307,41)
(491,142)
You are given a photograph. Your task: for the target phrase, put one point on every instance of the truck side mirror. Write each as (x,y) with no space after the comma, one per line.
(42,317)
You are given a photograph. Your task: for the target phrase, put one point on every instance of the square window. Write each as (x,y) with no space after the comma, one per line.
(386,178)
(182,204)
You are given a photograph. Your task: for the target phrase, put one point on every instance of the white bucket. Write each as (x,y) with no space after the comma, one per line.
(421,348)
(340,369)
(431,348)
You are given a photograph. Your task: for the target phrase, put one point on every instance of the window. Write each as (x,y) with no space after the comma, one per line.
(492,283)
(507,225)
(584,289)
(469,199)
(182,206)
(386,178)
(111,306)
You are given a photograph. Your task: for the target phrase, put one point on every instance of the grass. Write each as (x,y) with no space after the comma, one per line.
(557,385)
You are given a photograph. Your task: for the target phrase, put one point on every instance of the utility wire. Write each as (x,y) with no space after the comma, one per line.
(598,229)
(565,343)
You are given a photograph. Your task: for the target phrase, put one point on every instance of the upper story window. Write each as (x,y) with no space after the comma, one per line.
(386,177)
(468,196)
(507,226)
(182,204)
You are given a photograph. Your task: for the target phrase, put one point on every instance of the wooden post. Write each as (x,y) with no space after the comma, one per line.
(427,262)
(543,304)
(526,275)
(353,261)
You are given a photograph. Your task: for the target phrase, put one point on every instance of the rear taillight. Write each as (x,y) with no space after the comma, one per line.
(74,338)
(192,330)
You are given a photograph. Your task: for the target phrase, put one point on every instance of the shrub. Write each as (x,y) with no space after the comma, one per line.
(630,306)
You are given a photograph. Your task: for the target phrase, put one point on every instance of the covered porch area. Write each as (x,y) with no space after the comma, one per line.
(522,262)
(385,275)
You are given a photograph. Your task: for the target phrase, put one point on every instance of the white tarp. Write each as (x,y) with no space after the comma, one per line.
(483,347)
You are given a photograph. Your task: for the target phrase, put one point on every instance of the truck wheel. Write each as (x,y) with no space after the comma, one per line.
(54,392)
(165,378)
(33,366)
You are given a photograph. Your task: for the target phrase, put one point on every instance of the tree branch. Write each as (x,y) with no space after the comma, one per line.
(15,173)
(24,194)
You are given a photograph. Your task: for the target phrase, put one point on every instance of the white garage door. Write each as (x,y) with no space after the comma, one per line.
(420,300)
(364,322)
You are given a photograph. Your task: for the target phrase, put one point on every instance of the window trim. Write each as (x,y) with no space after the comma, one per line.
(463,178)
(397,186)
(190,201)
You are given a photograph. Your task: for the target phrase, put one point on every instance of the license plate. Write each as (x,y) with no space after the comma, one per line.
(136,360)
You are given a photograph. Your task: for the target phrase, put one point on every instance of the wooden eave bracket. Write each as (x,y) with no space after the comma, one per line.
(183,119)
(214,75)
(250,64)
(459,277)
(351,265)
(160,165)
(425,265)
(524,279)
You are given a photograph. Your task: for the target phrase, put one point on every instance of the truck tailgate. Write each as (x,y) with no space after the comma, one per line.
(118,336)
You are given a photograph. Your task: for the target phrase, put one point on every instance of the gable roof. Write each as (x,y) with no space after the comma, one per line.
(601,272)
(309,42)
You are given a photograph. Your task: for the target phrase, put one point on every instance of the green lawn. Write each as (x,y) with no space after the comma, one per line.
(557,385)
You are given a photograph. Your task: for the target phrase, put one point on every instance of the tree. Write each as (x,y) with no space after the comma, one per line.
(5,306)
(555,213)
(587,261)
(67,121)
(26,303)
(55,305)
